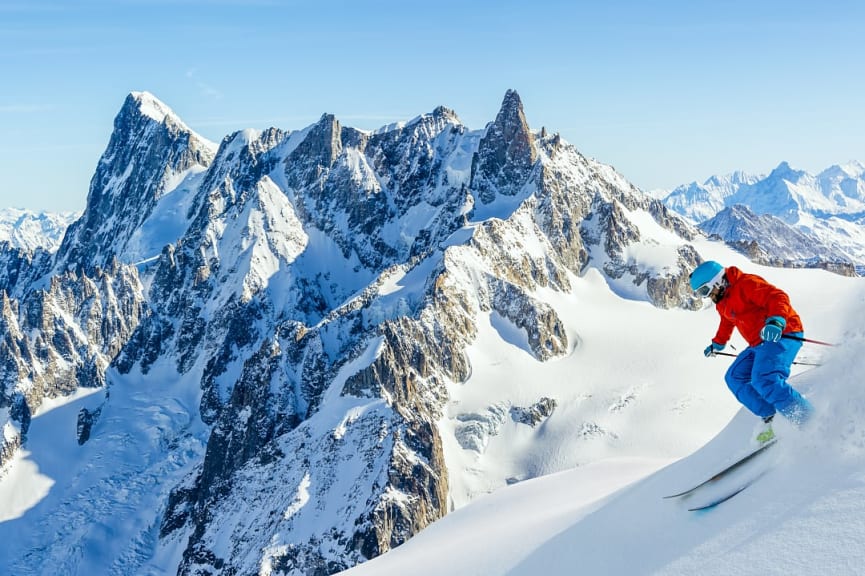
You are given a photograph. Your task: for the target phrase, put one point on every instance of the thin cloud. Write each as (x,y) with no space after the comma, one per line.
(206,90)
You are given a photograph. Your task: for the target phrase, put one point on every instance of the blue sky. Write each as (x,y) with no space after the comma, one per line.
(667,92)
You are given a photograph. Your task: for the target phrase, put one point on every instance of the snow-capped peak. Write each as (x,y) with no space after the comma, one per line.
(731,180)
(153,107)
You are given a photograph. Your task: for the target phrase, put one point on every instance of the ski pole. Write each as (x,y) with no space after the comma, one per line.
(736,356)
(725,354)
(800,339)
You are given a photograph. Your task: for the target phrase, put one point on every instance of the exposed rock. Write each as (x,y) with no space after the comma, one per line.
(770,241)
(506,154)
(56,340)
(475,430)
(86,419)
(534,414)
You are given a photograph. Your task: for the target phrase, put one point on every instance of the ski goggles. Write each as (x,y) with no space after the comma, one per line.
(703,290)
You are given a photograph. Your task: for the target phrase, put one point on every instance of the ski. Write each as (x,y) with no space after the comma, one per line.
(717,501)
(738,463)
(721,499)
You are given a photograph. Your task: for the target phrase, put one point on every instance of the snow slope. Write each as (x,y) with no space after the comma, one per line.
(805,515)
(105,488)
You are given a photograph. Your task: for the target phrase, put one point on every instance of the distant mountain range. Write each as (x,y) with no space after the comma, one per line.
(31,230)
(788,217)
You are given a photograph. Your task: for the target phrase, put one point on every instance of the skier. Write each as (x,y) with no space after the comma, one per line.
(764,317)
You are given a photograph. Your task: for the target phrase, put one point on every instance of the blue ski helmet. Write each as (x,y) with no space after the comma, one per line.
(706,277)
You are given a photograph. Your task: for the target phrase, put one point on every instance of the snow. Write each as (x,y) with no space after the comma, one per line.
(157,110)
(503,207)
(25,483)
(507,524)
(300,499)
(24,487)
(458,166)
(805,514)
(168,221)
(653,252)
(616,351)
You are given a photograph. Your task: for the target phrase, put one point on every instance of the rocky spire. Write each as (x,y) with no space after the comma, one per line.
(323,142)
(506,153)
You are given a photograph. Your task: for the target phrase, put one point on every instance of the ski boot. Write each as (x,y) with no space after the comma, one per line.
(766,434)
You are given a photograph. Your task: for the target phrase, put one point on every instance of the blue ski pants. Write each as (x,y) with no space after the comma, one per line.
(758,379)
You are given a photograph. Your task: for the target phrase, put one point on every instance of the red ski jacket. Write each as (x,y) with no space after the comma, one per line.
(746,304)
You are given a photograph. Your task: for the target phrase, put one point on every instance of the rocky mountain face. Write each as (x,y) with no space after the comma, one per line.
(506,155)
(61,337)
(827,209)
(20,266)
(320,288)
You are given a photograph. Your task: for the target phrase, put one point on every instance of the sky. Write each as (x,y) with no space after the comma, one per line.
(667,92)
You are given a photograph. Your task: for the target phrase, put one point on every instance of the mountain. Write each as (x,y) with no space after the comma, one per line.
(292,352)
(699,202)
(769,240)
(827,208)
(31,230)
(790,193)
